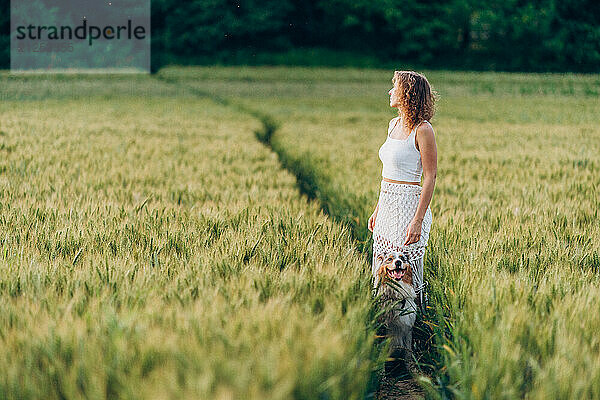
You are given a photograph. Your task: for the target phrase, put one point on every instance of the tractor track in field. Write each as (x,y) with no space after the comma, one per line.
(381,386)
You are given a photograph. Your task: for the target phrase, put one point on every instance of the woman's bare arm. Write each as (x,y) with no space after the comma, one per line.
(426,145)
(428,148)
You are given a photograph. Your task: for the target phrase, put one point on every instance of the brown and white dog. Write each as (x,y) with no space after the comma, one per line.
(398,297)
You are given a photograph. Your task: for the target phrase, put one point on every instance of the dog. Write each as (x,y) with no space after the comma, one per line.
(397,296)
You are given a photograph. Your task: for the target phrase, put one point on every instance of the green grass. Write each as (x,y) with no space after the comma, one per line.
(513,258)
(151,247)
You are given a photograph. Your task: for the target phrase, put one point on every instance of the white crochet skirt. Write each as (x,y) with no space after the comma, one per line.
(396,208)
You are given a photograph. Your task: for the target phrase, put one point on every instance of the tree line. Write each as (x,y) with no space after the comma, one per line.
(508,35)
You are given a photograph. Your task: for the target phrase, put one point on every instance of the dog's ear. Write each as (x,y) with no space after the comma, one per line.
(408,278)
(382,272)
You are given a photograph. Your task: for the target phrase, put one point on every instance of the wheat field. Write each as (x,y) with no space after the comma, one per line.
(202,234)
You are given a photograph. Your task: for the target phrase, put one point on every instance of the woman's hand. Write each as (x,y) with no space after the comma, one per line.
(371,223)
(413,232)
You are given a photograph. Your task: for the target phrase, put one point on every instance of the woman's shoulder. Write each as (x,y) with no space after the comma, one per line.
(425,126)
(424,129)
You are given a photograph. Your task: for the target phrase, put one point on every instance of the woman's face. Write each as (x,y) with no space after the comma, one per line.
(393,97)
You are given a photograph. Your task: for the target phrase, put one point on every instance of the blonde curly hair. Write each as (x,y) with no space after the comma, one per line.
(416,97)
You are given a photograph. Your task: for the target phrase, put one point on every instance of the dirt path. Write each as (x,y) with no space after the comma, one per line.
(399,388)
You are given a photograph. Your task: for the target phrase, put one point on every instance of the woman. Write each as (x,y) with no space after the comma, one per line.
(402,217)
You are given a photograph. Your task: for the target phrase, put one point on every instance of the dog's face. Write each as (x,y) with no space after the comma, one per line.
(394,265)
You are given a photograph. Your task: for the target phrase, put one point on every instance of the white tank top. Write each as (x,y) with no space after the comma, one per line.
(401,159)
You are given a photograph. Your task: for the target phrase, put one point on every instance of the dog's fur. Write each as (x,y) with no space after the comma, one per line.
(398,297)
